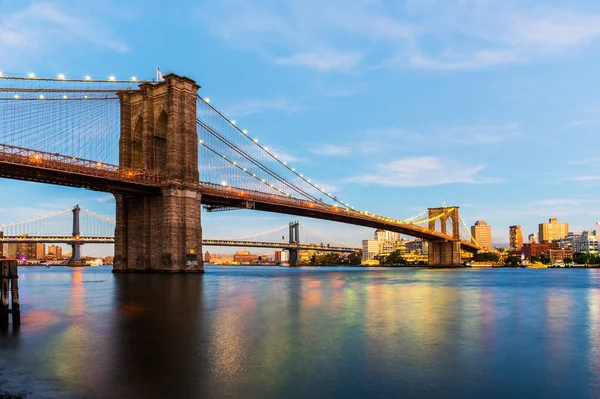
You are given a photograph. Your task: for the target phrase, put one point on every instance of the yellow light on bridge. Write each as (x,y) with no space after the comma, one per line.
(233,122)
(267,149)
(31,75)
(61,76)
(65,97)
(133,79)
(0,73)
(41,96)
(207,100)
(245,131)
(200,142)
(16,96)
(88,78)
(111,78)
(224,183)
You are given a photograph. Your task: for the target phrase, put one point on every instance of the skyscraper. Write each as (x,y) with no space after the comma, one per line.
(482,234)
(552,230)
(516,238)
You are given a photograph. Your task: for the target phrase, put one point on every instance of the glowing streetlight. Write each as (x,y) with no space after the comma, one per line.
(61,76)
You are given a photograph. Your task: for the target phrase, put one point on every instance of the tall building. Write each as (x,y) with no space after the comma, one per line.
(370,249)
(55,250)
(40,251)
(552,230)
(532,238)
(384,235)
(587,243)
(516,238)
(482,234)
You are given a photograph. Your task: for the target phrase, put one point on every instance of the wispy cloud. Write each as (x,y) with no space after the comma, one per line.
(105,198)
(324,60)
(42,26)
(481,134)
(251,107)
(429,34)
(421,172)
(577,123)
(331,150)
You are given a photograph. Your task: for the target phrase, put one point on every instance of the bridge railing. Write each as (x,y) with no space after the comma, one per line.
(250,195)
(63,163)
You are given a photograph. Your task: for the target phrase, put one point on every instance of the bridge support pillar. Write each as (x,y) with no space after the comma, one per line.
(294,257)
(160,232)
(444,254)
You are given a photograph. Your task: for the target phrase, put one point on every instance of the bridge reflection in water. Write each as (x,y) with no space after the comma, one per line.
(309,332)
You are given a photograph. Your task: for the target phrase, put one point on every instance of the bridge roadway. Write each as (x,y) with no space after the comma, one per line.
(25,164)
(215,243)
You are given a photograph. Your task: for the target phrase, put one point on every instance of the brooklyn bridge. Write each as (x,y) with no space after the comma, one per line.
(164,151)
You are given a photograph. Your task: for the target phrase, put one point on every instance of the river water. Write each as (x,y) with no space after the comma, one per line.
(269,332)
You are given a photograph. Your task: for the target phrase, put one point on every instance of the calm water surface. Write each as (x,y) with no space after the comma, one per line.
(267,332)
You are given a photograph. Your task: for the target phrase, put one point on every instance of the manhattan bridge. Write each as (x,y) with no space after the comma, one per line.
(164,151)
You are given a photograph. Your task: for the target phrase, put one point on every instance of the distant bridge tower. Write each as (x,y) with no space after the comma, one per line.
(294,238)
(76,245)
(162,231)
(442,252)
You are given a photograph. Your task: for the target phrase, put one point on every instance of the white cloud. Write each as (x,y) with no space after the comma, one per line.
(433,34)
(41,27)
(324,60)
(577,123)
(331,150)
(105,198)
(421,172)
(480,134)
(251,107)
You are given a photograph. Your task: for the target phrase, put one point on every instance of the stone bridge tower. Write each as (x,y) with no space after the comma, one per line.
(444,252)
(160,232)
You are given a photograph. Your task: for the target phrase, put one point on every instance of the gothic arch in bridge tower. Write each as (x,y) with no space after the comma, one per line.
(438,225)
(137,144)
(160,142)
(449,222)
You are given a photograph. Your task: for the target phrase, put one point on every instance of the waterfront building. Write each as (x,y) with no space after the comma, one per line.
(547,232)
(418,246)
(587,243)
(538,250)
(516,238)
(482,234)
(55,250)
(570,241)
(558,255)
(384,235)
(370,249)
(207,257)
(40,251)
(244,256)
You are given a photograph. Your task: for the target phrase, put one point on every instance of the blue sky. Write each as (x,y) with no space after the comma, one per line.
(395,106)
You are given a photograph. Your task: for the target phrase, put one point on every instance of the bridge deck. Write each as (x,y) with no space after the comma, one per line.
(25,164)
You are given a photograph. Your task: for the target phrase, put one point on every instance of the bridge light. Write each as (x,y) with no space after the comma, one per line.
(235,164)
(293,169)
(245,170)
(65,97)
(111,78)
(308,180)
(99,163)
(233,122)
(88,78)
(262,180)
(31,75)
(255,140)
(16,96)
(267,149)
(245,131)
(285,163)
(41,96)
(253,175)
(301,175)
(0,73)
(207,100)
(61,76)
(224,183)
(200,142)
(85,97)
(133,79)
(275,156)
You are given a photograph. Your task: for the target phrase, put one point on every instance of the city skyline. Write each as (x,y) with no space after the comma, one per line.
(460,127)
